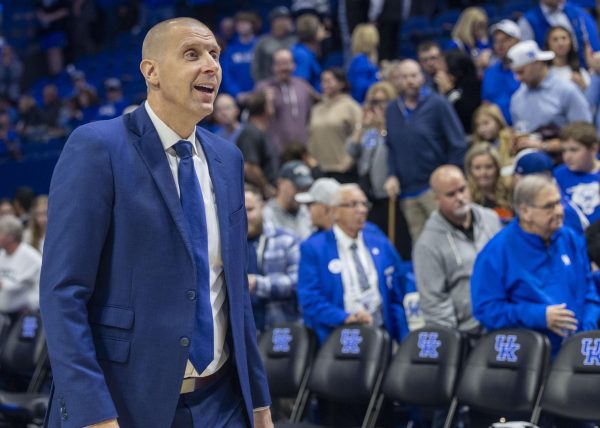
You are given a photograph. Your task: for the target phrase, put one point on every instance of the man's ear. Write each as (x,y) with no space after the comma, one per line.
(525,212)
(149,70)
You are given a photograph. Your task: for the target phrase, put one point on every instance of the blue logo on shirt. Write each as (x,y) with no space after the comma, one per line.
(30,327)
(350,341)
(590,349)
(281,339)
(428,344)
(507,347)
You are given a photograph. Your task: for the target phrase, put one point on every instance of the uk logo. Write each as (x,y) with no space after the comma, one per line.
(507,347)
(282,337)
(30,327)
(350,341)
(428,344)
(590,349)
(413,309)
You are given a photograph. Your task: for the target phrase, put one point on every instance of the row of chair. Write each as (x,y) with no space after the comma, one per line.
(507,375)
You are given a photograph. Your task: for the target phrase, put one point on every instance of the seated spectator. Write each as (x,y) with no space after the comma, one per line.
(543,98)
(227,114)
(489,126)
(6,207)
(29,125)
(260,163)
(578,177)
(444,254)
(49,111)
(431,61)
(363,70)
(536,22)
(273,259)
(236,59)
(535,273)
(79,109)
(319,199)
(9,139)
(283,210)
(350,274)
(35,233)
(115,101)
(290,99)
(11,70)
(20,266)
(487,187)
(566,62)
(499,82)
(308,49)
(332,121)
(459,83)
(470,34)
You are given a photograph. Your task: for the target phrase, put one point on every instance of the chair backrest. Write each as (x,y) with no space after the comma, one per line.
(287,351)
(504,372)
(23,347)
(573,386)
(425,368)
(349,365)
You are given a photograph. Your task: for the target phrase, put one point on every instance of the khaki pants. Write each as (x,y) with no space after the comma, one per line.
(417,211)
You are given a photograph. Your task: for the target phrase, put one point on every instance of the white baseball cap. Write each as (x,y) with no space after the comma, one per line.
(527,52)
(508,27)
(321,191)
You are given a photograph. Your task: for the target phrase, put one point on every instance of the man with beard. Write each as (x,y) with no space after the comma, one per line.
(535,273)
(444,255)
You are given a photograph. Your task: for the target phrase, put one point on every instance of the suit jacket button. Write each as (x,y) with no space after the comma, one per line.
(191,294)
(184,341)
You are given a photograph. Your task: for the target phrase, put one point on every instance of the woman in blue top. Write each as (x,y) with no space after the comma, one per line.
(363,70)
(470,34)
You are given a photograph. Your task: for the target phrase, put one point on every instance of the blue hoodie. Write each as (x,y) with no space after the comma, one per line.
(236,63)
(517,276)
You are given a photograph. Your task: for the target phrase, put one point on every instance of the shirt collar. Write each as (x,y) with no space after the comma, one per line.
(167,136)
(343,239)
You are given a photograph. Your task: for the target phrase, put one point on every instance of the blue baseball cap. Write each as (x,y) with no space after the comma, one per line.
(534,162)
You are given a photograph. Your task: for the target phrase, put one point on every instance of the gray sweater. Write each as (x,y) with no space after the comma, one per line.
(443,260)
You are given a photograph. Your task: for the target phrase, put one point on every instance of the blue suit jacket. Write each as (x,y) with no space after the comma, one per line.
(321,291)
(118,272)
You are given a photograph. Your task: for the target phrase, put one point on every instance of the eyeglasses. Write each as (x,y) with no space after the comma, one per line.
(378,103)
(354,204)
(547,207)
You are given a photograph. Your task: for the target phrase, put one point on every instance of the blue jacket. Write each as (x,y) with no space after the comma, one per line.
(236,63)
(582,23)
(307,65)
(498,85)
(321,292)
(516,276)
(362,73)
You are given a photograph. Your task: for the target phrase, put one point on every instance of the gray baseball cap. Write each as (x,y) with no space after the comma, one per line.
(321,191)
(298,173)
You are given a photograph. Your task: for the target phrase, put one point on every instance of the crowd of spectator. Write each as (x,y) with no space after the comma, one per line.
(477,160)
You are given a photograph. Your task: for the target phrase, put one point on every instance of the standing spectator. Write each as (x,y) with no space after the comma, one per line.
(431,60)
(566,62)
(226,114)
(151,12)
(319,199)
(115,100)
(536,22)
(52,17)
(307,51)
(489,126)
(83,16)
(283,210)
(35,233)
(280,37)
(11,70)
(446,250)
(487,188)
(20,266)
(499,82)
(363,70)
(423,132)
(236,60)
(470,34)
(290,99)
(389,19)
(332,121)
(260,163)
(23,201)
(273,257)
(535,273)
(461,86)
(543,98)
(578,179)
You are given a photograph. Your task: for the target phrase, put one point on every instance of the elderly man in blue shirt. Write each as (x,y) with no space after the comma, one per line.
(535,273)
(543,98)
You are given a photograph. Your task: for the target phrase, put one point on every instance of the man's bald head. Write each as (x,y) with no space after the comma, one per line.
(442,175)
(408,78)
(409,65)
(157,37)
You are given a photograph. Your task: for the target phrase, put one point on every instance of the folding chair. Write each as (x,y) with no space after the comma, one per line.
(287,351)
(503,375)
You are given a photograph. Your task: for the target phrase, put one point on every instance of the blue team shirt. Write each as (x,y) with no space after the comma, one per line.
(581,188)
(498,86)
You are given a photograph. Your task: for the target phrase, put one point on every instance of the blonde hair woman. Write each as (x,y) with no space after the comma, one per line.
(490,126)
(363,70)
(470,34)
(36,230)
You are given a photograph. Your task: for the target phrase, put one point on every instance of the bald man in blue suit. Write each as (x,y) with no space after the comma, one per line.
(146,227)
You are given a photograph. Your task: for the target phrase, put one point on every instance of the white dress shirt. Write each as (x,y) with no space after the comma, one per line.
(355,298)
(168,138)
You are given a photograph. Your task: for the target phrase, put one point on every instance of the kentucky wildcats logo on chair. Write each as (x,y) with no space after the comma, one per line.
(428,344)
(507,348)
(350,340)
(590,349)
(281,339)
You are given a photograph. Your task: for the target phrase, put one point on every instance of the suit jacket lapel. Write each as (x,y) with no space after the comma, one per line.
(332,254)
(147,142)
